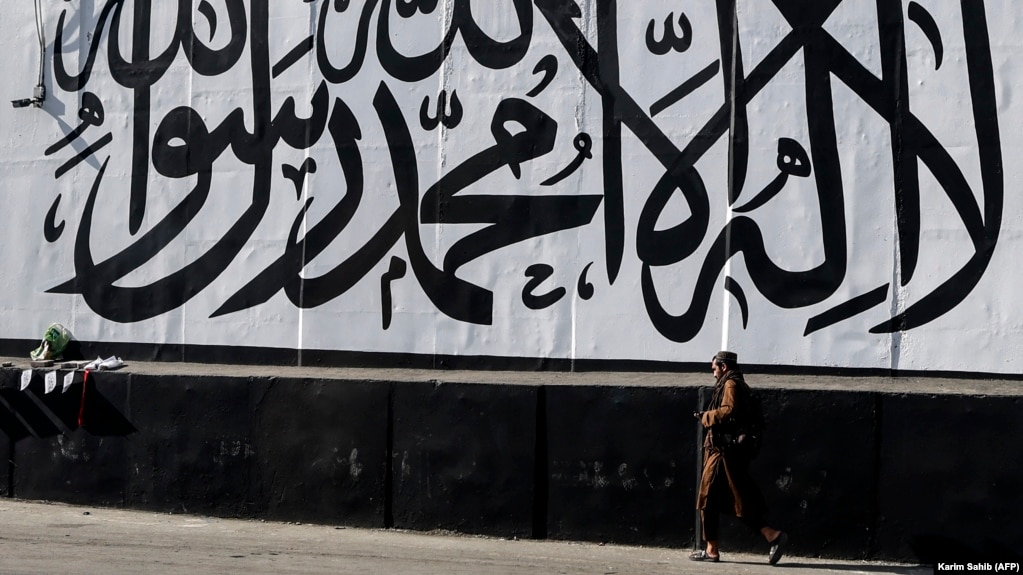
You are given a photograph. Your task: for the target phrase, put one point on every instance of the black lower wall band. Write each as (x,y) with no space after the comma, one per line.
(847,474)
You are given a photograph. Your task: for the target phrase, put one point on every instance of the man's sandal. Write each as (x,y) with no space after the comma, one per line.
(702,555)
(777,548)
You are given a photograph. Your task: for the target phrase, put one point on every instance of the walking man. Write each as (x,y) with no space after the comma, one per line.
(728,447)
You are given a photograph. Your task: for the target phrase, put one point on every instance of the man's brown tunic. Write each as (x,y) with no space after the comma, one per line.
(745,499)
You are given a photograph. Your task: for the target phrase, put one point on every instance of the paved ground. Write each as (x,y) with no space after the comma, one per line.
(44,538)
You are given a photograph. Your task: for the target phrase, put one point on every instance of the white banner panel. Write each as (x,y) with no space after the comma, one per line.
(824,184)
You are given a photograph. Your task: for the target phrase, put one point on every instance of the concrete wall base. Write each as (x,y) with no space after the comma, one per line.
(850,474)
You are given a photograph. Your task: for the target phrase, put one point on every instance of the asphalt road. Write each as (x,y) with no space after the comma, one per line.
(45,538)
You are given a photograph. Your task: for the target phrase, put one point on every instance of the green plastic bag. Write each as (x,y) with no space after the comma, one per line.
(54,341)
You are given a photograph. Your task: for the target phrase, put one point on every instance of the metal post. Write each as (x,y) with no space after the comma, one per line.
(701,395)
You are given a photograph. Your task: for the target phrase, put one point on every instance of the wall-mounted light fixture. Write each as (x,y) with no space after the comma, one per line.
(39,94)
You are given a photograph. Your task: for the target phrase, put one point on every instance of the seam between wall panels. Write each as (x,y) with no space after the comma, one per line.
(444,80)
(305,199)
(580,124)
(898,294)
(726,300)
(184,308)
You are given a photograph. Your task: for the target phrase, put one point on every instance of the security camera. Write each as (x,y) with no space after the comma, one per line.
(38,96)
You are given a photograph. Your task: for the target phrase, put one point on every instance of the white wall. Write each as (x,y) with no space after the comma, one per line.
(155,239)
